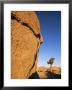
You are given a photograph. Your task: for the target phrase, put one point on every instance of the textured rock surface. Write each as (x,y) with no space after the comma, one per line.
(24,45)
(44,72)
(55,69)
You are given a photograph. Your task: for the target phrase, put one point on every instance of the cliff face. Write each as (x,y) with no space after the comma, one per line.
(24,44)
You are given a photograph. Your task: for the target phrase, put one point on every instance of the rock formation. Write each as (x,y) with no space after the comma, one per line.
(25,42)
(45,72)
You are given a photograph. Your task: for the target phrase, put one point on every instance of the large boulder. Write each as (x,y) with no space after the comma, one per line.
(24,43)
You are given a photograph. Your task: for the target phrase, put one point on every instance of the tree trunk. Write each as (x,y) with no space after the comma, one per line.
(51,67)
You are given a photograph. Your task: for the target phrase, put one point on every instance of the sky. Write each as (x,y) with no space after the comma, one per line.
(50,26)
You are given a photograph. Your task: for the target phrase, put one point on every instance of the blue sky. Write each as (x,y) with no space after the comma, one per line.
(50,24)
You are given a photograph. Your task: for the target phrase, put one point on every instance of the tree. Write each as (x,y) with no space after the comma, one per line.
(51,61)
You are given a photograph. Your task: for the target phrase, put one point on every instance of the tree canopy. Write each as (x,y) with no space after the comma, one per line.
(51,61)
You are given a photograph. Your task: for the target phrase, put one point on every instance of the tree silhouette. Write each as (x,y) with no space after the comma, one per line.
(50,61)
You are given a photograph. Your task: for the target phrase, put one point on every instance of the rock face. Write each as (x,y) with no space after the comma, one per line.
(24,43)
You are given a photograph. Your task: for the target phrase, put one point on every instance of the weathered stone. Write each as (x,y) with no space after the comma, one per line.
(45,72)
(24,44)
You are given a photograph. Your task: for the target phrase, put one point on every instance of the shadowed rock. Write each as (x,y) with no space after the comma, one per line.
(34,76)
(45,73)
(53,76)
